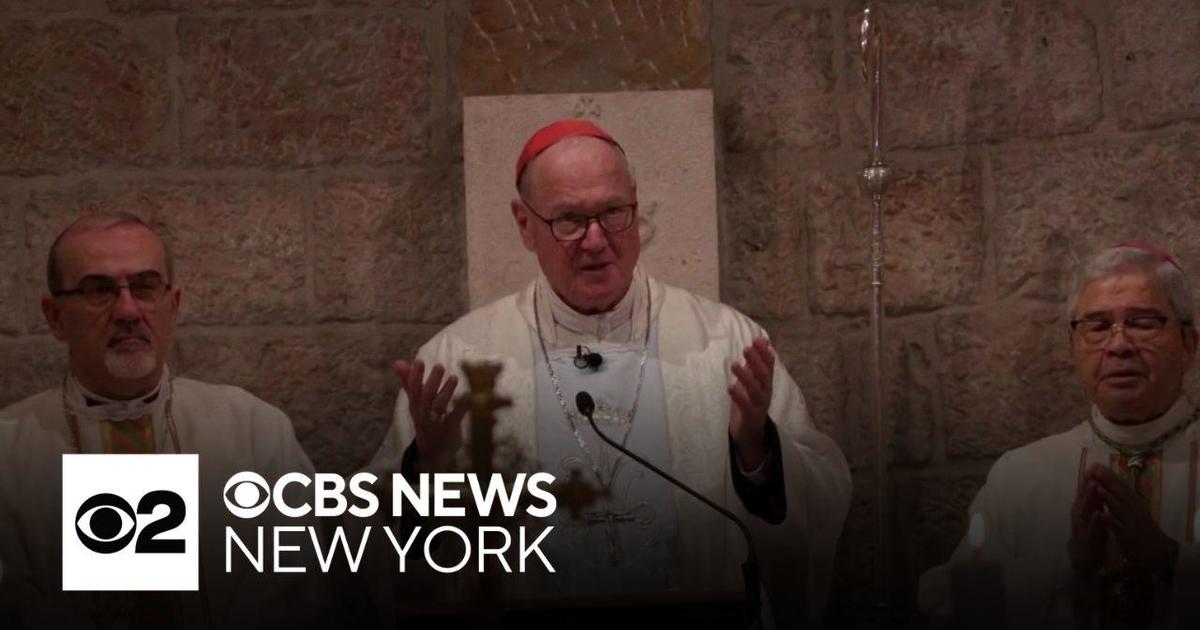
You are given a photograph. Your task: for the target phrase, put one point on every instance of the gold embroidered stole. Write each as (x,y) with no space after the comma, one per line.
(128,437)
(1126,597)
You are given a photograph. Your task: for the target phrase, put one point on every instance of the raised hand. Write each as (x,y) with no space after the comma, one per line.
(437,425)
(751,396)
(1142,541)
(1089,529)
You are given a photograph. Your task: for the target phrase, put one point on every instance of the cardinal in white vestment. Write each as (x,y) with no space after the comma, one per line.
(1096,527)
(690,384)
(112,301)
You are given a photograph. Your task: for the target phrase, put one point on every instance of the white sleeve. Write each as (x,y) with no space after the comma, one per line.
(1038,588)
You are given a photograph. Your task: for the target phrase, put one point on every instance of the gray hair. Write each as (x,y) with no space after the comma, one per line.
(99,220)
(1161,271)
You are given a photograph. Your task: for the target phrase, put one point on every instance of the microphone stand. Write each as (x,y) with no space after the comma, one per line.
(750,572)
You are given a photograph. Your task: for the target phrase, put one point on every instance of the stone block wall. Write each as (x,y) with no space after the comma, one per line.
(304,160)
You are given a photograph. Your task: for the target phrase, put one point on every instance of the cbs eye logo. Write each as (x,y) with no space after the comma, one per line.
(247,495)
(106,523)
(129,523)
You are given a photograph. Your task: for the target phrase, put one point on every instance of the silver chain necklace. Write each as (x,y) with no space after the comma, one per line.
(570,415)
(1136,455)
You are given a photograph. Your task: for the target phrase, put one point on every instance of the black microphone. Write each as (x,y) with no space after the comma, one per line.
(587,360)
(750,573)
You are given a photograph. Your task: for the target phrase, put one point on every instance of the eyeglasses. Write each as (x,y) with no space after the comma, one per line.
(1096,331)
(147,288)
(572,227)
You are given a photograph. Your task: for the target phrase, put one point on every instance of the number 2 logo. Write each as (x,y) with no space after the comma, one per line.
(106,523)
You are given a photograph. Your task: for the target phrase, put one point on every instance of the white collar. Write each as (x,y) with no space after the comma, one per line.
(85,404)
(622,319)
(1137,434)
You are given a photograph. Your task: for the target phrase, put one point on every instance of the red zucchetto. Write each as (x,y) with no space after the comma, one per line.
(547,136)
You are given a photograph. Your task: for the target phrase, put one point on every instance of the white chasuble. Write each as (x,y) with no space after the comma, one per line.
(698,340)
(624,542)
(229,429)
(1025,507)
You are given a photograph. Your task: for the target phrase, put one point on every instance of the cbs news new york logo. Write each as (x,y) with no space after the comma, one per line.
(130,523)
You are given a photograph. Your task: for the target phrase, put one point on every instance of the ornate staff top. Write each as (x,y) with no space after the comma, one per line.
(875,175)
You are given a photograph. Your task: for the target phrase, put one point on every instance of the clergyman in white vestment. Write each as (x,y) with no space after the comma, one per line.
(111,299)
(690,384)
(1096,527)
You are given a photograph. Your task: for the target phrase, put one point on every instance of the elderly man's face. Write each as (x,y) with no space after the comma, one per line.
(1132,380)
(581,176)
(118,349)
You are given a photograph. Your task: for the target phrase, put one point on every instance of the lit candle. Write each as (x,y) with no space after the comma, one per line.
(975,533)
(977,585)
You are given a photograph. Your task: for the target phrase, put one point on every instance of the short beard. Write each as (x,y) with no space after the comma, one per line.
(129,365)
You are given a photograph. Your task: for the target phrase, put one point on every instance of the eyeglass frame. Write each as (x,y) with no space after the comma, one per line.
(114,290)
(587,226)
(1124,327)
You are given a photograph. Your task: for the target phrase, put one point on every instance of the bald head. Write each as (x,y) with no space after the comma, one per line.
(95,221)
(568,154)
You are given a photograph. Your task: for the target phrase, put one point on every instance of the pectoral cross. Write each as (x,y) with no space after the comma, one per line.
(576,493)
(610,518)
(1137,465)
